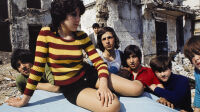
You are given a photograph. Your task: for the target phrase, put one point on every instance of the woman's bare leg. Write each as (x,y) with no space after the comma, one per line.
(124,86)
(87,98)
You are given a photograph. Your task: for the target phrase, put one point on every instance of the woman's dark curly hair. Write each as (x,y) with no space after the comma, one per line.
(61,8)
(23,55)
(103,31)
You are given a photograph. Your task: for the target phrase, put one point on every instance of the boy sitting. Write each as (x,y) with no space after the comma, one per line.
(22,61)
(192,52)
(133,55)
(176,87)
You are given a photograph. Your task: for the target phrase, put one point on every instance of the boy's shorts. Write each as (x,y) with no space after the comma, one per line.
(87,81)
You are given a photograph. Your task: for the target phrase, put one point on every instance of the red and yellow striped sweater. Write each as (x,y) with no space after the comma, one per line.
(64,58)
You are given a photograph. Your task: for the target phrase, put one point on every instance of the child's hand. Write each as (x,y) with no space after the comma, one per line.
(152,87)
(165,102)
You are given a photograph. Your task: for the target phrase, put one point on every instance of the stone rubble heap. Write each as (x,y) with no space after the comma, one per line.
(7,83)
(181,65)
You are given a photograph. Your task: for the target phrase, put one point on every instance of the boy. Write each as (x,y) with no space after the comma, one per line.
(93,36)
(22,61)
(176,87)
(133,55)
(192,52)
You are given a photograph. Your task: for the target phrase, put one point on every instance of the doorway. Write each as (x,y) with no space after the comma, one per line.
(33,34)
(5,43)
(161,38)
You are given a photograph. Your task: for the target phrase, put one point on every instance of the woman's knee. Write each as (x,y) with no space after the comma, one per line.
(114,107)
(138,88)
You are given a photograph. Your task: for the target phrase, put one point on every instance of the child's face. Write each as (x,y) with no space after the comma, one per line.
(24,68)
(133,62)
(196,61)
(96,29)
(163,76)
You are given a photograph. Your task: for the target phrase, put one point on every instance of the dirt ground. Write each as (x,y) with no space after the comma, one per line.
(7,82)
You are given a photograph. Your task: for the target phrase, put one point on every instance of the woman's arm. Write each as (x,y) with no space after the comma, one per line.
(103,93)
(18,102)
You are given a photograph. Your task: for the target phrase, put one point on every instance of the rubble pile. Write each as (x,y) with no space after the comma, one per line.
(181,65)
(7,83)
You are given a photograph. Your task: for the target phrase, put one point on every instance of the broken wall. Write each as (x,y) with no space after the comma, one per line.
(22,17)
(123,16)
(135,24)
(149,41)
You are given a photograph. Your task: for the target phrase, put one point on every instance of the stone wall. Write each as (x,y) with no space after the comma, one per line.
(122,16)
(22,17)
(125,18)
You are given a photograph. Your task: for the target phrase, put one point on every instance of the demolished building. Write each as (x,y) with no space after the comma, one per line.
(20,23)
(156,26)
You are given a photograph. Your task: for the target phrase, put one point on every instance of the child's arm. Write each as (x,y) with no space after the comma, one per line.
(174,95)
(160,85)
(154,86)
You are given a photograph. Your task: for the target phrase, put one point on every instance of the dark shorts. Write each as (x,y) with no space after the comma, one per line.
(87,81)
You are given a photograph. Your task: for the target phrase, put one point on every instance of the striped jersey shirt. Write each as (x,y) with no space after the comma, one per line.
(64,58)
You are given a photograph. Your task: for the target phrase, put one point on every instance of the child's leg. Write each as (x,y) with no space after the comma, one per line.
(124,86)
(87,98)
(21,83)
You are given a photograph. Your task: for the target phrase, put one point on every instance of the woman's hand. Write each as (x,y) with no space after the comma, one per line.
(103,93)
(17,101)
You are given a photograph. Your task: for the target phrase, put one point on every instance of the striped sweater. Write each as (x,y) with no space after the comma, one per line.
(64,58)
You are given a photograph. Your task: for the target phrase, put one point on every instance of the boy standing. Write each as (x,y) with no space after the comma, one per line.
(192,52)
(93,36)
(176,87)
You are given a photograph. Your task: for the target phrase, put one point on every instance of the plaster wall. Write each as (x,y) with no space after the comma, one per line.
(88,18)
(187,29)
(171,33)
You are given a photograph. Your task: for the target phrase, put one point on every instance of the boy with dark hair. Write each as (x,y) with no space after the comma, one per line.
(22,61)
(192,52)
(133,55)
(93,36)
(176,87)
